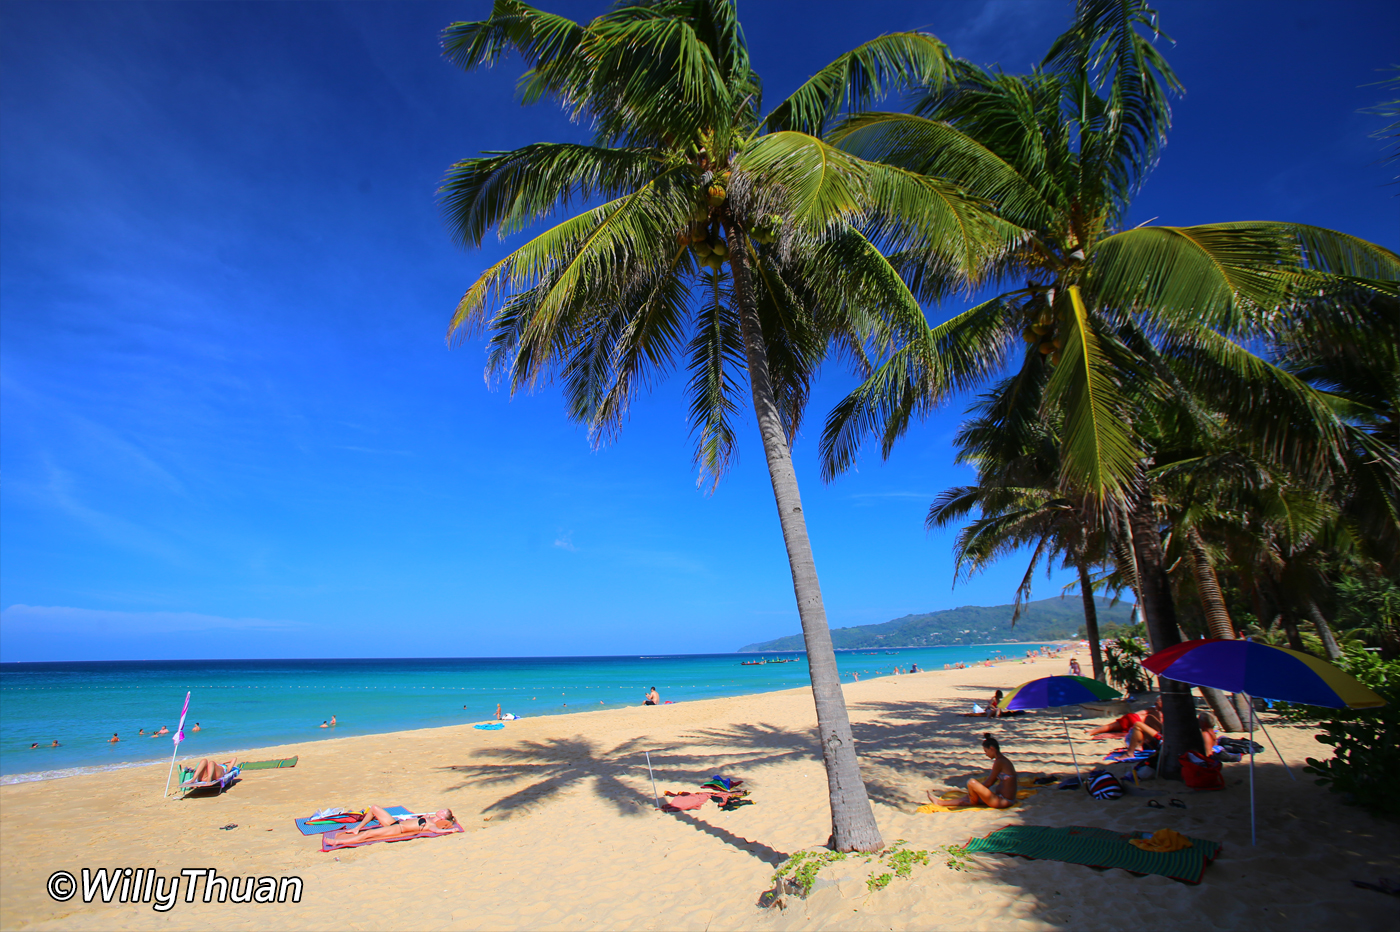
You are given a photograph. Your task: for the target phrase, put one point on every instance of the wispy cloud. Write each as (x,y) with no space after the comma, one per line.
(565,541)
(63,620)
(863,496)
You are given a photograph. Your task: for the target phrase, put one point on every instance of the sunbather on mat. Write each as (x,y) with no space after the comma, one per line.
(391,826)
(999,790)
(209,770)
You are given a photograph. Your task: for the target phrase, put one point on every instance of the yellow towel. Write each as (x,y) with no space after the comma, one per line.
(1021,793)
(1163,840)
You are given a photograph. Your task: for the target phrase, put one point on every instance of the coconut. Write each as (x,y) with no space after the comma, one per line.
(720,250)
(1055,358)
(1045,349)
(702,249)
(1058,342)
(1028,335)
(699,234)
(700,214)
(683,237)
(1040,329)
(716,195)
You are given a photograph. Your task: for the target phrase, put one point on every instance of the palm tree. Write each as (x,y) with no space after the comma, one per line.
(739,240)
(1115,313)
(1015,451)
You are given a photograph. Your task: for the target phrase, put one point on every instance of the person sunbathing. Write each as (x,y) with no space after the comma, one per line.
(1209,738)
(391,826)
(998,791)
(208,771)
(1148,732)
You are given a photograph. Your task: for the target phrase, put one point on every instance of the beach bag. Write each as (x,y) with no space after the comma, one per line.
(1200,773)
(1104,785)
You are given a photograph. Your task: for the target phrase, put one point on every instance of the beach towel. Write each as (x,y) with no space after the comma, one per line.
(1098,847)
(327,846)
(1024,790)
(493,726)
(1122,754)
(686,801)
(334,823)
(269,764)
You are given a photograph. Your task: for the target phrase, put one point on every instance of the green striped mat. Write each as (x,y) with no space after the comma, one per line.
(1098,847)
(270,764)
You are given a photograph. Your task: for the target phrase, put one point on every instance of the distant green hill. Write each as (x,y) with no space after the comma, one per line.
(1046,620)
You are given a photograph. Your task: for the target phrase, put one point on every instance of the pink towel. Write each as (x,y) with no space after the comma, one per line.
(687,801)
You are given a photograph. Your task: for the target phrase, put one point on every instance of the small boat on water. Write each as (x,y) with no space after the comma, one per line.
(752,663)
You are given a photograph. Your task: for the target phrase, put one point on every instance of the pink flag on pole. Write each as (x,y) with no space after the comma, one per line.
(180,729)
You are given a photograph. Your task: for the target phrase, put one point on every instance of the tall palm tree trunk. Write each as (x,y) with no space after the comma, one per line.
(1179,731)
(853,825)
(1091,620)
(1217,622)
(1324,630)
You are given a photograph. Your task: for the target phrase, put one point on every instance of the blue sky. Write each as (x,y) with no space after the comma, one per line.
(230,425)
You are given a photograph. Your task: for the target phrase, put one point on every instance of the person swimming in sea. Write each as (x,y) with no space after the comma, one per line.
(323,725)
(196,727)
(55,743)
(332,721)
(391,826)
(34,745)
(998,790)
(114,739)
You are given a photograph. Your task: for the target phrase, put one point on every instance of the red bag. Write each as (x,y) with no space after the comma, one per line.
(1201,773)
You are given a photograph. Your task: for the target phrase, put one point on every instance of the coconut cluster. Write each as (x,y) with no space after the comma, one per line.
(1042,332)
(702,234)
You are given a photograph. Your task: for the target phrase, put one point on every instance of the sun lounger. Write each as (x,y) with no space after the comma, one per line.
(210,787)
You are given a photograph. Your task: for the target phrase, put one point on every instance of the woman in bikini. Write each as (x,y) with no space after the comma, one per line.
(390,826)
(999,790)
(208,770)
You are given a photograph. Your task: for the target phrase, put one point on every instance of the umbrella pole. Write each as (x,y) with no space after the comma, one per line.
(1253,840)
(1073,756)
(1276,750)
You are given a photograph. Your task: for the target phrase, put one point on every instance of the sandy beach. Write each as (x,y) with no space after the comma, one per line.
(562,832)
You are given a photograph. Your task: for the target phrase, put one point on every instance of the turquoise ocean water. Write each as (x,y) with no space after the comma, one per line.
(258,703)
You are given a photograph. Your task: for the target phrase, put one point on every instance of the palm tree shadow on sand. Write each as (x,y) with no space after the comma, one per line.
(551,767)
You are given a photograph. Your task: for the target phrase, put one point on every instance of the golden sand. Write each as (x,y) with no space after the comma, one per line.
(562,831)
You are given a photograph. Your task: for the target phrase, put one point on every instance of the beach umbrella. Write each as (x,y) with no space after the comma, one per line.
(1254,669)
(1053,692)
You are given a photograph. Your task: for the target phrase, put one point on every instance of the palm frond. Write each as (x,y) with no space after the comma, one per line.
(863,75)
(510,190)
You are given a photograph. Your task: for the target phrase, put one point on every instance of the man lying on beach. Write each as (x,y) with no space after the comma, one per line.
(209,770)
(999,789)
(390,827)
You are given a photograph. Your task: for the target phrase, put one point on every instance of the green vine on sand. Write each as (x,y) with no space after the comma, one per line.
(957,857)
(804,867)
(899,859)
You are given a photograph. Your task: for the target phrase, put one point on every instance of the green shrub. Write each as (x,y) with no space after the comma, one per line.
(1121,663)
(1365,742)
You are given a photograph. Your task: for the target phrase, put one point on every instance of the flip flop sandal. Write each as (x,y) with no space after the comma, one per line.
(225,828)
(1153,804)
(1177,804)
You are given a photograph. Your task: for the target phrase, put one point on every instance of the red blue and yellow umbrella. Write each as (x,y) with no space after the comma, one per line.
(1256,669)
(1051,692)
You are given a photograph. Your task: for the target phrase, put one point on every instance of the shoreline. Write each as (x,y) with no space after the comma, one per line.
(561,829)
(212,743)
